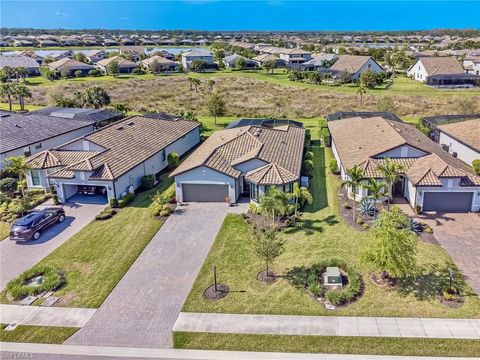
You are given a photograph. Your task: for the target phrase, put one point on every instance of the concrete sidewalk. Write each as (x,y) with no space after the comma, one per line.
(45,316)
(328,325)
(62,352)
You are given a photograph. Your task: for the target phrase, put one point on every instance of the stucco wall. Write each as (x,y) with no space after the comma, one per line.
(370,64)
(464,153)
(402,152)
(418,72)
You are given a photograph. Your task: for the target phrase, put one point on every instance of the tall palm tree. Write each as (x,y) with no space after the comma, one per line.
(376,191)
(360,91)
(196,83)
(190,82)
(21,90)
(7,91)
(301,193)
(354,181)
(96,96)
(390,171)
(211,83)
(17,165)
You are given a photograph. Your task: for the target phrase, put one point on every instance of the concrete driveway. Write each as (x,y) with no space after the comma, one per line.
(459,234)
(143,307)
(16,257)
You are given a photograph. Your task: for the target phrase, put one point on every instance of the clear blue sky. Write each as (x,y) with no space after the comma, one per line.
(242,15)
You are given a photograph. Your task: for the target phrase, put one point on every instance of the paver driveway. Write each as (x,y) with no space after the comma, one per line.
(16,257)
(459,234)
(143,307)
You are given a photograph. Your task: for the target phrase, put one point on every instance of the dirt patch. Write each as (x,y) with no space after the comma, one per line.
(211,294)
(428,238)
(346,207)
(85,268)
(454,304)
(384,282)
(267,279)
(66,299)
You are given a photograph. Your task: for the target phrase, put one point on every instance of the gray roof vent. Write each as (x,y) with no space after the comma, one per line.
(18,126)
(120,128)
(131,123)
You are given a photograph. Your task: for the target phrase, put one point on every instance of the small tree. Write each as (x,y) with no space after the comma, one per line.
(266,245)
(78,73)
(301,196)
(270,65)
(216,106)
(81,57)
(386,103)
(8,185)
(368,79)
(198,65)
(18,166)
(240,63)
(96,96)
(392,246)
(467,106)
(22,91)
(391,173)
(333,166)
(354,180)
(47,73)
(121,108)
(155,67)
(7,90)
(376,192)
(275,204)
(361,90)
(476,166)
(113,68)
(211,84)
(173,160)
(308,167)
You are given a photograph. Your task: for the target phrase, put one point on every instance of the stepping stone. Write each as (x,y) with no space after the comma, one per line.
(329,306)
(47,294)
(11,327)
(28,300)
(50,301)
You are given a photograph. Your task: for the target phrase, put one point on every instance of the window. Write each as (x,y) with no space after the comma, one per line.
(254,192)
(131,180)
(35,177)
(26,151)
(38,146)
(163,155)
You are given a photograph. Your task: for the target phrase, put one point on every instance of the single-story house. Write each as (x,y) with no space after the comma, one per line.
(461,139)
(94,56)
(36,131)
(164,63)
(321,61)
(200,54)
(125,66)
(27,62)
(294,56)
(31,54)
(230,61)
(68,67)
(134,53)
(263,58)
(244,160)
(355,65)
(432,179)
(442,71)
(112,160)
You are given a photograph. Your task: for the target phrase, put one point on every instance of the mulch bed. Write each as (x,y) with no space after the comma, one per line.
(211,294)
(172,209)
(347,213)
(266,279)
(454,304)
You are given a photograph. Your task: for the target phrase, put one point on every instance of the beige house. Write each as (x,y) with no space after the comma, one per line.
(163,63)
(124,65)
(355,65)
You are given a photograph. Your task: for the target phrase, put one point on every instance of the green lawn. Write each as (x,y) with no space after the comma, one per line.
(96,258)
(4,230)
(323,234)
(37,334)
(328,344)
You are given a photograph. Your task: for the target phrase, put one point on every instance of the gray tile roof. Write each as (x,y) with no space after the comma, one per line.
(93,115)
(15,61)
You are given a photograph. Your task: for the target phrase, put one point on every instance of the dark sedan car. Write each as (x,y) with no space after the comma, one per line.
(30,226)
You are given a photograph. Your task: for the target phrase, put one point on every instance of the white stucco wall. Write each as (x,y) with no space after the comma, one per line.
(370,64)
(418,72)
(403,151)
(464,153)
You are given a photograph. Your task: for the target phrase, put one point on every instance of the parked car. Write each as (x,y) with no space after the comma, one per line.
(30,226)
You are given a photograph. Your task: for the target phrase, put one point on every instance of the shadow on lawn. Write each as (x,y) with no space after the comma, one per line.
(311,226)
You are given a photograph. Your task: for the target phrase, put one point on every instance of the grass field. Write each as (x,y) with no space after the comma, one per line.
(322,234)
(328,344)
(36,334)
(97,257)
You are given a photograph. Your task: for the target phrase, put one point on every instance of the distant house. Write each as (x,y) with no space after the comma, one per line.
(94,56)
(24,61)
(125,66)
(134,53)
(68,67)
(111,161)
(355,65)
(263,58)
(322,61)
(442,71)
(471,64)
(230,61)
(31,54)
(35,131)
(164,64)
(294,56)
(197,55)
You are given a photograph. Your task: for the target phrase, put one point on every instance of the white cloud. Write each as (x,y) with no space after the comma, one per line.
(62,14)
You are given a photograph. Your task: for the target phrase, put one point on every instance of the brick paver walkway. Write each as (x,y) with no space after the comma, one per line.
(142,308)
(16,257)
(328,325)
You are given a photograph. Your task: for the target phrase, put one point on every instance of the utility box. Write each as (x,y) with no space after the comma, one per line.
(332,276)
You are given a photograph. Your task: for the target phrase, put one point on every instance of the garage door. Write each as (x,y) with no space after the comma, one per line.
(447,201)
(204,192)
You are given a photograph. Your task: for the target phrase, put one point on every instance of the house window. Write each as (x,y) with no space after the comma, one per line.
(254,192)
(38,146)
(163,155)
(35,177)
(131,180)
(26,151)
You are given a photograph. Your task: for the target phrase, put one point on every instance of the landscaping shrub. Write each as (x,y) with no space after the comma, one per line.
(122,203)
(113,202)
(165,212)
(8,185)
(33,192)
(476,166)
(55,199)
(325,134)
(148,182)
(105,214)
(333,166)
(254,208)
(309,155)
(308,166)
(94,73)
(53,279)
(125,200)
(138,71)
(173,160)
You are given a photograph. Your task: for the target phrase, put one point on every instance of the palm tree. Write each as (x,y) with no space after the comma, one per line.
(376,191)
(301,194)
(21,90)
(190,82)
(211,83)
(20,72)
(8,71)
(96,96)
(360,91)
(196,82)
(354,181)
(17,165)
(391,174)
(7,91)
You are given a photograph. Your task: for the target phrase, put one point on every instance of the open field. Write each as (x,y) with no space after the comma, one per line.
(328,344)
(97,257)
(37,334)
(255,94)
(322,234)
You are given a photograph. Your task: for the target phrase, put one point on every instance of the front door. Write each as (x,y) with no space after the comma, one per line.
(246,188)
(398,187)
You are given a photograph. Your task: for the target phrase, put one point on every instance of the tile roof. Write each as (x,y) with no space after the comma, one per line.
(69,64)
(15,61)
(270,174)
(265,57)
(126,143)
(468,132)
(56,158)
(122,62)
(159,59)
(350,63)
(441,65)
(353,139)
(281,147)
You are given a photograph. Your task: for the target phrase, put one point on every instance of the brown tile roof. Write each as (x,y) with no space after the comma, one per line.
(467,132)
(127,143)
(349,63)
(360,140)
(55,158)
(131,49)
(68,64)
(122,62)
(159,59)
(265,57)
(281,147)
(441,65)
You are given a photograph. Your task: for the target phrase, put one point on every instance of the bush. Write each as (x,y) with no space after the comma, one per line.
(254,208)
(366,226)
(346,206)
(105,214)
(476,166)
(78,73)
(34,192)
(8,185)
(308,166)
(122,203)
(138,71)
(155,209)
(148,182)
(53,279)
(113,202)
(359,221)
(333,166)
(309,155)
(173,160)
(55,199)
(165,212)
(325,134)
(94,73)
